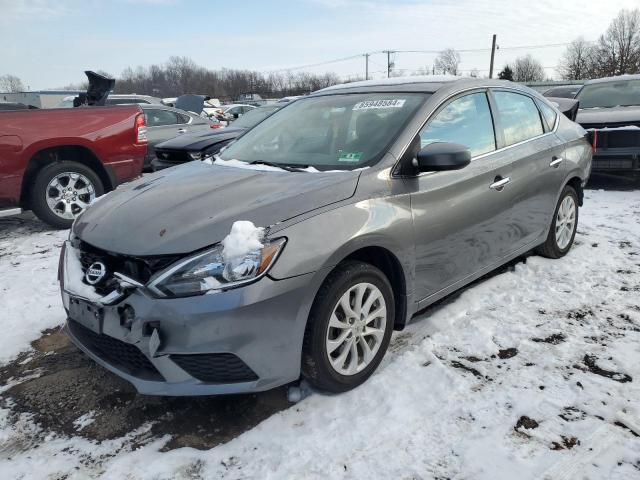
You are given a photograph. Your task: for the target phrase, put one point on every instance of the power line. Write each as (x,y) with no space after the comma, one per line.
(468,50)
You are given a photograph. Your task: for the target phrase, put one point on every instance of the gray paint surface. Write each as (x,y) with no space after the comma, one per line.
(444,228)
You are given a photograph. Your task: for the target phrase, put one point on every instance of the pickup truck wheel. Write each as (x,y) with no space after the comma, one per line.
(349,327)
(62,191)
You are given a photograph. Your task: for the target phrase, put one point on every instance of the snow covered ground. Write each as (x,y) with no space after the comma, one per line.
(532,373)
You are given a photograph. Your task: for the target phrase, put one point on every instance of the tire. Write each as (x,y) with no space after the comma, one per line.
(85,187)
(317,366)
(555,246)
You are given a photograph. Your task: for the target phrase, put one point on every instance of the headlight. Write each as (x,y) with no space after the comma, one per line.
(208,271)
(196,155)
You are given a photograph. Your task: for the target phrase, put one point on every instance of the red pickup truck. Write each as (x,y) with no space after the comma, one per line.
(56,162)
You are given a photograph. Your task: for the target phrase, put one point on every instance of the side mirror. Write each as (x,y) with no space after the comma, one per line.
(440,156)
(236,115)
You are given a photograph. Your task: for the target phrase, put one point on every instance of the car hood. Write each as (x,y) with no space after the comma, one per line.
(194,206)
(201,140)
(615,115)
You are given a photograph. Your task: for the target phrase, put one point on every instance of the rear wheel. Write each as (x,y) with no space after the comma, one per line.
(563,227)
(349,327)
(62,191)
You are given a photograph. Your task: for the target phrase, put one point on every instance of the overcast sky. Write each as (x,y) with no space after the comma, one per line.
(49,43)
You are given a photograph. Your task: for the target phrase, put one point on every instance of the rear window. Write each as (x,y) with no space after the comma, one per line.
(159,118)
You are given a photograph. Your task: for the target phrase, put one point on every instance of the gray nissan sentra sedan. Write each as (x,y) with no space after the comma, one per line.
(300,247)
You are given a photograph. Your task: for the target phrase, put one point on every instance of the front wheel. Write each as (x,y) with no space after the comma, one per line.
(563,227)
(349,327)
(62,191)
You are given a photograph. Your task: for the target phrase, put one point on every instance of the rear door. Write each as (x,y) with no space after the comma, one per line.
(530,163)
(455,212)
(161,125)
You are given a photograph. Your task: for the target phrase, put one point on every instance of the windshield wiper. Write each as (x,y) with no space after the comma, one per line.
(285,166)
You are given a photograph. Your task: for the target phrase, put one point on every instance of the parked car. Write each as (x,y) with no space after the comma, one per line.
(56,162)
(164,123)
(564,91)
(318,232)
(611,107)
(231,112)
(196,146)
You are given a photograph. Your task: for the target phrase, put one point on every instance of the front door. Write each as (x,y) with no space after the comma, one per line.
(455,212)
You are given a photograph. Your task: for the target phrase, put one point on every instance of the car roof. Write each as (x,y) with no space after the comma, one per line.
(230,105)
(613,79)
(418,84)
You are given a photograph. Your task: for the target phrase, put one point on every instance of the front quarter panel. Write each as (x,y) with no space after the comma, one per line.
(322,241)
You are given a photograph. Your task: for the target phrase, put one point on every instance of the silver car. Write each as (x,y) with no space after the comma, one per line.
(304,244)
(165,123)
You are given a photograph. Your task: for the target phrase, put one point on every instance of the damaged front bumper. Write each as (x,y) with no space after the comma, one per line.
(246,339)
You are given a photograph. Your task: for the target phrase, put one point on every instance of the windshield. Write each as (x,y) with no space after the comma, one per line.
(253,117)
(610,94)
(333,132)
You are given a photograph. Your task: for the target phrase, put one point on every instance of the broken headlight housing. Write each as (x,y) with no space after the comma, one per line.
(209,271)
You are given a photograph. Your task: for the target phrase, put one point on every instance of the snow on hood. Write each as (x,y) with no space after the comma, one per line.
(248,166)
(192,206)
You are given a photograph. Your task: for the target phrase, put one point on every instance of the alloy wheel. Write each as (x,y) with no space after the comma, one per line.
(356,328)
(565,222)
(69,193)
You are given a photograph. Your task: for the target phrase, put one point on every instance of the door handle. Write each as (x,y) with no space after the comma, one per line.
(556,161)
(499,183)
(182,130)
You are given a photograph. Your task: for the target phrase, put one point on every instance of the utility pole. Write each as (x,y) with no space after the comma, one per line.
(493,53)
(389,64)
(366,66)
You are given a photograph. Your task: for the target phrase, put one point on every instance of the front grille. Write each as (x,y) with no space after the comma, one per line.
(122,355)
(137,268)
(215,367)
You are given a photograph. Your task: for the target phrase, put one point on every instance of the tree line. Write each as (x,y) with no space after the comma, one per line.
(616,52)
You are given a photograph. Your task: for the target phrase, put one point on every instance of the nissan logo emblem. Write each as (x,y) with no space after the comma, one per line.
(95,273)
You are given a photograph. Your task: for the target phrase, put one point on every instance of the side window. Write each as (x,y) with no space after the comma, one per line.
(466,120)
(548,115)
(183,118)
(158,118)
(519,117)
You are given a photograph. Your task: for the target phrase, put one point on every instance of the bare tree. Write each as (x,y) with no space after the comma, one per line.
(11,84)
(578,61)
(527,69)
(618,49)
(182,75)
(447,61)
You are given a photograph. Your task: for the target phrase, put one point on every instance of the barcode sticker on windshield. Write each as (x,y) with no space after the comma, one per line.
(371,104)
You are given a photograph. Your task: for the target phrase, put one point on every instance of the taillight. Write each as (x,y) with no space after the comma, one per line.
(141,129)
(594,141)
(215,125)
